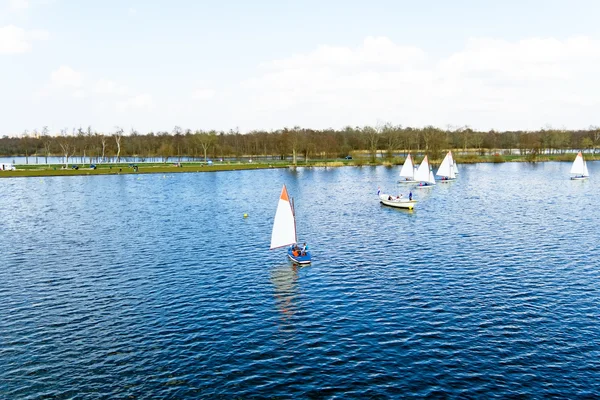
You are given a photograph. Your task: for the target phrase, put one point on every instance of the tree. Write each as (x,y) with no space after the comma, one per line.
(206,140)
(103,141)
(47,143)
(118,136)
(587,143)
(66,145)
(25,144)
(166,150)
(372,140)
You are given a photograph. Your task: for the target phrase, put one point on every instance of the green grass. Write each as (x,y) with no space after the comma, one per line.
(54,170)
(40,170)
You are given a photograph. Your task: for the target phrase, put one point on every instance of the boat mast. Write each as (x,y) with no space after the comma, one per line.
(294,215)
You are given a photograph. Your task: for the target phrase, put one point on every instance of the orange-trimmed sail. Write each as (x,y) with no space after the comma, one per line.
(284,225)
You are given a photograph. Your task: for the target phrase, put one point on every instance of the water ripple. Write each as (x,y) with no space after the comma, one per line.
(112,287)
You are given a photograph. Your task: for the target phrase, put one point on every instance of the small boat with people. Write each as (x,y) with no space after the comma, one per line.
(579,168)
(398,201)
(284,230)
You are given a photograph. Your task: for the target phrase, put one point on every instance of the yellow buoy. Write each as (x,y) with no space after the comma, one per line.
(245,215)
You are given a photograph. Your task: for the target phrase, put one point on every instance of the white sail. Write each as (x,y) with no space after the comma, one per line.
(579,167)
(585,170)
(447,167)
(422,174)
(455,167)
(431,178)
(284,225)
(408,169)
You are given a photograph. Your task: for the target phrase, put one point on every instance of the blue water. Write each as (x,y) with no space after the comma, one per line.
(155,286)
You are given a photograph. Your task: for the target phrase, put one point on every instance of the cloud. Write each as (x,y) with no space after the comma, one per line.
(66,76)
(203,94)
(488,83)
(14,40)
(105,86)
(18,4)
(139,102)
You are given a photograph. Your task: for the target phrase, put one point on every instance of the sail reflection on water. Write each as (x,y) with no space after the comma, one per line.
(285,282)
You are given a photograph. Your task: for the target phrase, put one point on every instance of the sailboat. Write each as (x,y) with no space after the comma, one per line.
(284,230)
(446,170)
(407,173)
(579,168)
(424,174)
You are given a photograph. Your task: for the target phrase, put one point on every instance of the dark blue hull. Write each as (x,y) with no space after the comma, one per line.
(299,259)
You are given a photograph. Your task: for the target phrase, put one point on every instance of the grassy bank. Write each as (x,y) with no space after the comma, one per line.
(162,168)
(117,169)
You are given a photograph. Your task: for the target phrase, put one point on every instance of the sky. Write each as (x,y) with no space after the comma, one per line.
(268,64)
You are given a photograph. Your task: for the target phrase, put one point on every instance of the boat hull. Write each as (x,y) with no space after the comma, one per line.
(397,203)
(428,185)
(299,259)
(407,181)
(579,178)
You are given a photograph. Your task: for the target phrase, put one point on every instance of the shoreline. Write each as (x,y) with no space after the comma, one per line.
(24,171)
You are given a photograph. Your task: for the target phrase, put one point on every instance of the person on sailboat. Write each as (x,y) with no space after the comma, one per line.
(410,196)
(304,248)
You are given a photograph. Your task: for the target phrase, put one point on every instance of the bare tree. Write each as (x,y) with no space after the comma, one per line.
(103,141)
(65,144)
(373,140)
(47,143)
(206,140)
(118,137)
(25,142)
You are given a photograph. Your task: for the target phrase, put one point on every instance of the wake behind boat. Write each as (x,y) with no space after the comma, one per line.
(284,230)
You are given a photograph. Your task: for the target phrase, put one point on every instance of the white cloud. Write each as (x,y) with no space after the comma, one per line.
(18,4)
(489,83)
(203,94)
(142,101)
(79,94)
(375,51)
(15,40)
(105,86)
(66,76)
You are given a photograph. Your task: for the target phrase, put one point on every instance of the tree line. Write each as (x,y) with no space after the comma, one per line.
(384,140)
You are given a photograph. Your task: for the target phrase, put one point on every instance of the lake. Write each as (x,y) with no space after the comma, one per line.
(155,286)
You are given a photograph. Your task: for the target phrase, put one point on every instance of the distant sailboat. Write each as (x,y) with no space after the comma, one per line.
(407,173)
(424,174)
(446,170)
(579,168)
(284,230)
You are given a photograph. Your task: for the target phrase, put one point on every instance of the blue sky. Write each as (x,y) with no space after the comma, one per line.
(151,65)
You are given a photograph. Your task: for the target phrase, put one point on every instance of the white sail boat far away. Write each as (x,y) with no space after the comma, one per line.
(407,173)
(284,230)
(424,174)
(579,168)
(446,170)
